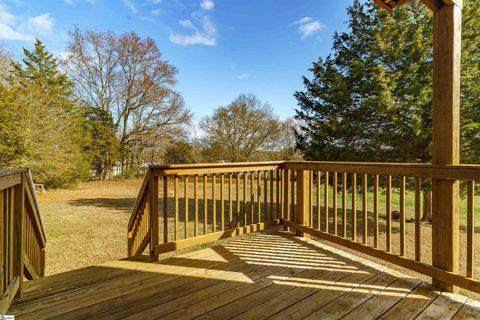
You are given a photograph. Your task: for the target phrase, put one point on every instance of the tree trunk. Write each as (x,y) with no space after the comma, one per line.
(427,206)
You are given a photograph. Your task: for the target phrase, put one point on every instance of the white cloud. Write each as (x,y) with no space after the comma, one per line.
(42,23)
(243,76)
(156,12)
(203,32)
(207,5)
(16,28)
(307,26)
(131,6)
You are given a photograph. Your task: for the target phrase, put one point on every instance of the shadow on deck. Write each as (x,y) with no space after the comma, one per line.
(271,275)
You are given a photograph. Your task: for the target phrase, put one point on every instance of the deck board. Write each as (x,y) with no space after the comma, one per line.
(266,276)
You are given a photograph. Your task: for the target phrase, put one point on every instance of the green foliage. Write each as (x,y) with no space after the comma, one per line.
(99,142)
(470,112)
(370,99)
(46,121)
(179,152)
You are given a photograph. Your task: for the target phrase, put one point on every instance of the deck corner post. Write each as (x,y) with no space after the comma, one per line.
(153,211)
(303,201)
(447,37)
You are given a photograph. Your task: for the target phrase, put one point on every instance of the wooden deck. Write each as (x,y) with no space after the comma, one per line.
(272,275)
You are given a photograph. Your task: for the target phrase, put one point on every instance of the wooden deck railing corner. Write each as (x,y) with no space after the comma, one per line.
(202,203)
(21,235)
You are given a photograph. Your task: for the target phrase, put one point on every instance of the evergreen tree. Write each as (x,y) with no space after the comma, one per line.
(49,132)
(371,98)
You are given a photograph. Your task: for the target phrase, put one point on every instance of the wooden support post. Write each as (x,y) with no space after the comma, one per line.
(153,194)
(303,201)
(18,236)
(445,135)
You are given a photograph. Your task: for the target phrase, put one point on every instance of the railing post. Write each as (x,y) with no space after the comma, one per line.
(153,203)
(286,196)
(447,36)
(18,233)
(303,200)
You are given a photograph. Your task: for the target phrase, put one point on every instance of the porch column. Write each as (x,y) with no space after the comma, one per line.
(447,38)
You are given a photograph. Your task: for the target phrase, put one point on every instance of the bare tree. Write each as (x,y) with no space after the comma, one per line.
(241,129)
(5,63)
(126,76)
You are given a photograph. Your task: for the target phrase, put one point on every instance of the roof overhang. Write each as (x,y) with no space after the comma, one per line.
(434,5)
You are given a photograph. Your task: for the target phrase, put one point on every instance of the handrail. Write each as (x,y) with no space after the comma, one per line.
(328,200)
(217,181)
(22,234)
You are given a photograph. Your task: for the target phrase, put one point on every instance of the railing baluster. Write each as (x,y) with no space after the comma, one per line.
(265,196)
(293,209)
(245,180)
(375,211)
(175,190)
(279,185)
(153,215)
(325,201)
(354,207)
(470,227)
(205,204)
(286,196)
(252,196)
(185,194)
(418,191)
(165,209)
(230,202)
(259,196)
(237,199)
(271,195)
(335,205)
(365,208)
(222,205)
(214,203)
(402,215)
(319,214)
(195,204)
(310,198)
(344,204)
(389,213)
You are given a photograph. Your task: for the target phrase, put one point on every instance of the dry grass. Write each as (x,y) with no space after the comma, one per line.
(87,225)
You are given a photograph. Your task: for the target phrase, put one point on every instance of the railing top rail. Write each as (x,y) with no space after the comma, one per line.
(206,168)
(453,172)
(216,165)
(36,212)
(8,172)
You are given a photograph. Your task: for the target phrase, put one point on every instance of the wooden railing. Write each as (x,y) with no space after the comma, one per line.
(203,203)
(22,237)
(373,208)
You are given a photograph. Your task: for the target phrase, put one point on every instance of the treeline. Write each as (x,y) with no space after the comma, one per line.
(109,108)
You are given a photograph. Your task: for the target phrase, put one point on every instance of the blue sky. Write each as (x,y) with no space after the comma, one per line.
(221,47)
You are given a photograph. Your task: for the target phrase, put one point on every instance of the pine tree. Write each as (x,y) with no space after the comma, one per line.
(48,119)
